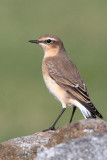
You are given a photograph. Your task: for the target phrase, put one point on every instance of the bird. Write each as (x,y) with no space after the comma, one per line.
(63,79)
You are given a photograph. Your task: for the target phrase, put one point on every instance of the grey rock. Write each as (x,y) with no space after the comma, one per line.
(92,147)
(28,147)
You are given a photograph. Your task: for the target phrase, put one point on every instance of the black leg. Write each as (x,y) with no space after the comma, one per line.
(74,109)
(53,126)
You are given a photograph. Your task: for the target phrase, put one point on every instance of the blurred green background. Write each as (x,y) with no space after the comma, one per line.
(25,103)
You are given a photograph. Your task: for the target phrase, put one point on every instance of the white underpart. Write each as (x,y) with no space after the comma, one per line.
(84,111)
(56,90)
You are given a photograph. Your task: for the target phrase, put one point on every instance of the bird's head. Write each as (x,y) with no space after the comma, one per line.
(50,44)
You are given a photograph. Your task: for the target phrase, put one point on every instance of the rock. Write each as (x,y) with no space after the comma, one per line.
(27,148)
(86,148)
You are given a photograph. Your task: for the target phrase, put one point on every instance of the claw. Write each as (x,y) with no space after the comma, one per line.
(50,128)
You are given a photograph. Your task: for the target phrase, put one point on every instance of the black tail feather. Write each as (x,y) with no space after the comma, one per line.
(90,107)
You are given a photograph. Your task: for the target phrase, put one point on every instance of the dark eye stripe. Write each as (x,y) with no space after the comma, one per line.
(49,40)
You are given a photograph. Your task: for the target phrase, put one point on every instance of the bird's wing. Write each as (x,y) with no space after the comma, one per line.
(73,88)
(70,86)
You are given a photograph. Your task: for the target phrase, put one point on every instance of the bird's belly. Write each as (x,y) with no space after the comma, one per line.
(55,89)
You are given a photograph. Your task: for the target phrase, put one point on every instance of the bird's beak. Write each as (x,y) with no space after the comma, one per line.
(34,41)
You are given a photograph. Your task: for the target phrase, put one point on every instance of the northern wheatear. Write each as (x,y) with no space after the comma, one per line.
(63,79)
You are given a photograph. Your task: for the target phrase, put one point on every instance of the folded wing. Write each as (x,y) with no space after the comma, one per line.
(77,90)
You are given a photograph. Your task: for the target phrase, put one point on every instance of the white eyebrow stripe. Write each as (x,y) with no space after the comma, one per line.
(50,38)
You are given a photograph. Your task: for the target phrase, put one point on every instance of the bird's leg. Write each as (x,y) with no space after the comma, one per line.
(74,109)
(53,126)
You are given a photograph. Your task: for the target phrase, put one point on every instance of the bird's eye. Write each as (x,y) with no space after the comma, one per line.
(48,41)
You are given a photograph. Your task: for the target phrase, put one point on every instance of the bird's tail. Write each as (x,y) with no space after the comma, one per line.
(93,111)
(88,110)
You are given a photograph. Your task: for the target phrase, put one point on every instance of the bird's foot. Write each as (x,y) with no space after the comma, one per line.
(50,128)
